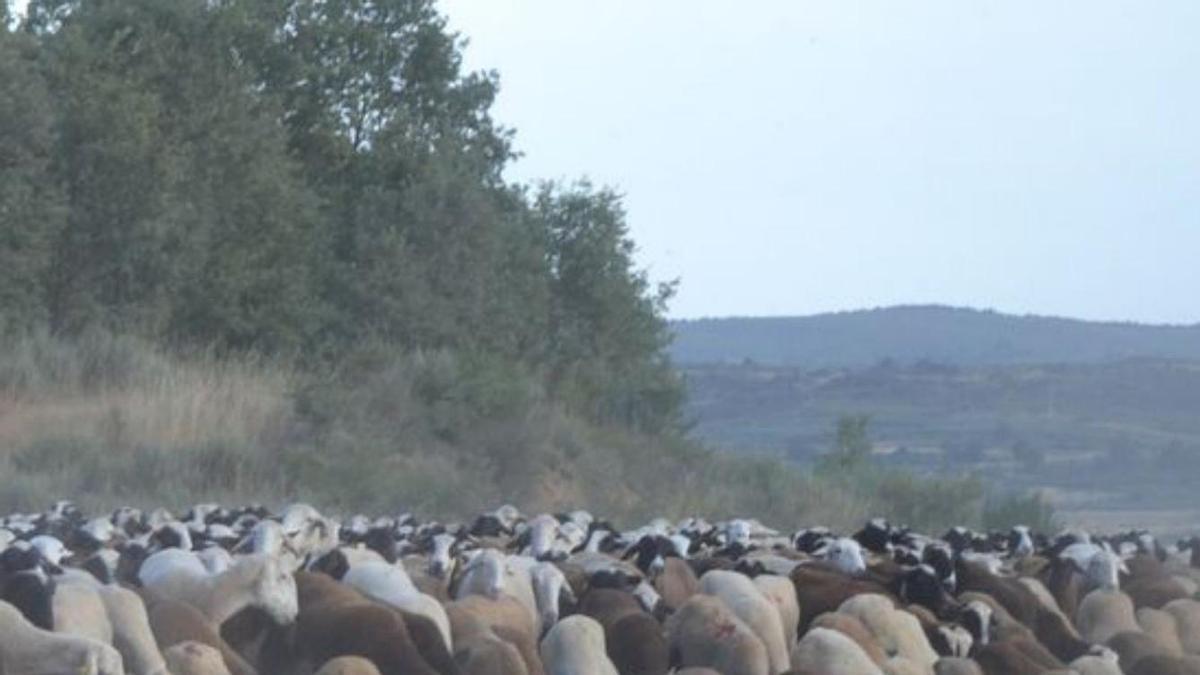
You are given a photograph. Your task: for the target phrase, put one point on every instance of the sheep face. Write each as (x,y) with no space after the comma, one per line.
(441,562)
(276,590)
(978,619)
(550,588)
(846,555)
(1103,570)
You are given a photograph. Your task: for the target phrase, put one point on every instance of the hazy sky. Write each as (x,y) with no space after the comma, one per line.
(788,157)
(791,157)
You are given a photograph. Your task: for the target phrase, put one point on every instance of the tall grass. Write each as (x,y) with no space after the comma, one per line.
(108,420)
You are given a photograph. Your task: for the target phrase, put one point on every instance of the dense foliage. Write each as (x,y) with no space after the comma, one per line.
(298,178)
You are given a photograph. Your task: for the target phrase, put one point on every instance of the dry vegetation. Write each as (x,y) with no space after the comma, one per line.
(107,420)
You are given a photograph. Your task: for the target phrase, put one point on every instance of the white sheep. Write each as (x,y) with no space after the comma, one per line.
(252,581)
(575,646)
(493,574)
(823,650)
(27,649)
(1103,613)
(898,632)
(705,632)
(742,596)
(782,593)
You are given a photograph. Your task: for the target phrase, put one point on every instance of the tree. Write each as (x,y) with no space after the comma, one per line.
(851,446)
(32,208)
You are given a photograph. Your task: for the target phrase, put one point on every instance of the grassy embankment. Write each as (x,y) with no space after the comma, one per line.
(110,420)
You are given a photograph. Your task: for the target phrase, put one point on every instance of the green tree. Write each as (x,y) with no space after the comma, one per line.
(31,201)
(851,445)
(607,334)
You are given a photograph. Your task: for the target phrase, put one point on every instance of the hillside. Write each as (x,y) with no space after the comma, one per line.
(964,337)
(1104,438)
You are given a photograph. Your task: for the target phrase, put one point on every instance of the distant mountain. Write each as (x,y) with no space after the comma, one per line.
(936,334)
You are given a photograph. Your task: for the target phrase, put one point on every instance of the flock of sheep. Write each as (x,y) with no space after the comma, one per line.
(219,591)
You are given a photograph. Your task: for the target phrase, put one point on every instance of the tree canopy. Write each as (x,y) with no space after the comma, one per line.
(296,178)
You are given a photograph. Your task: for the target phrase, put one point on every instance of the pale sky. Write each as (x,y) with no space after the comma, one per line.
(792,157)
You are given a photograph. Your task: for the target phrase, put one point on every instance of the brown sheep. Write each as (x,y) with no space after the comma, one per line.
(508,619)
(1049,627)
(1167,665)
(1162,627)
(333,622)
(637,645)
(635,640)
(820,590)
(479,651)
(676,583)
(1132,646)
(1016,657)
(174,622)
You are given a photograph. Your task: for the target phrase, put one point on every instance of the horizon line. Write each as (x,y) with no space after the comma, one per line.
(935,306)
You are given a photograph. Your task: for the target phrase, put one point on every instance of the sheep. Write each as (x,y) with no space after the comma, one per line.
(742,596)
(1162,627)
(479,651)
(823,650)
(947,639)
(336,620)
(492,574)
(1047,601)
(781,593)
(507,618)
(1016,656)
(676,583)
(820,590)
(898,632)
(1161,664)
(194,658)
(348,665)
(637,645)
(1133,646)
(1104,613)
(256,580)
(635,640)
(174,622)
(575,646)
(854,629)
(705,632)
(1187,618)
(550,589)
(131,632)
(898,665)
(953,665)
(391,585)
(25,648)
(1096,665)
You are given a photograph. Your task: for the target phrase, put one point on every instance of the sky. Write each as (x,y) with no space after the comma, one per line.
(795,157)
(783,157)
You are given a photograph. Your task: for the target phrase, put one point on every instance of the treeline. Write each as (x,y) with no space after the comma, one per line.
(297,178)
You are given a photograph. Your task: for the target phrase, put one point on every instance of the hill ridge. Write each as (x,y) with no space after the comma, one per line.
(928,332)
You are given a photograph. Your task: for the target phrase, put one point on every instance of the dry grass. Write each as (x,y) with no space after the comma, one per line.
(151,400)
